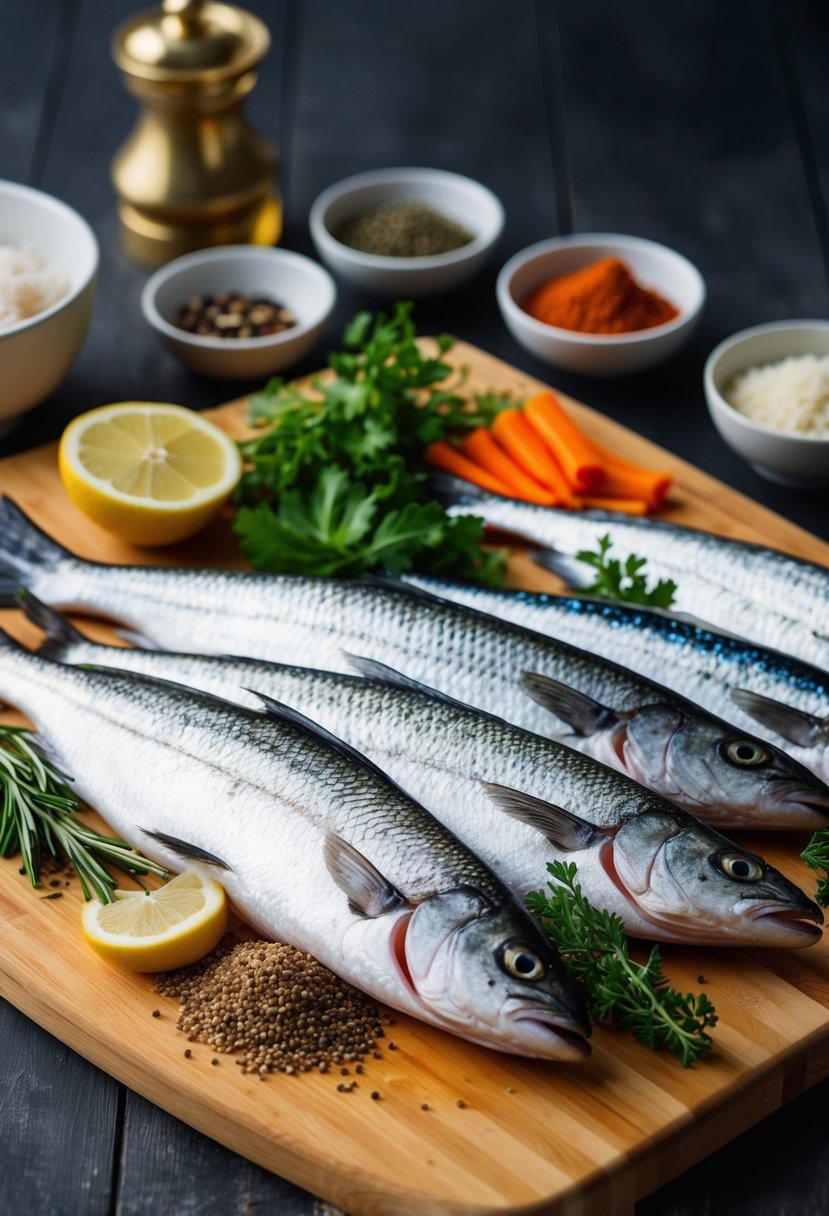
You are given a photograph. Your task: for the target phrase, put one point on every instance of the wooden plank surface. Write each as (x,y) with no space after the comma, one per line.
(568,1139)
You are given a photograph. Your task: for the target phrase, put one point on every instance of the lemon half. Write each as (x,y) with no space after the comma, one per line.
(151,473)
(168,928)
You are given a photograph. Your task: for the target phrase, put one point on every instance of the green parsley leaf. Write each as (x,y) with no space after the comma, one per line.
(617,581)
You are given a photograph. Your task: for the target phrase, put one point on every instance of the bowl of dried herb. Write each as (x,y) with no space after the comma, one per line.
(406,232)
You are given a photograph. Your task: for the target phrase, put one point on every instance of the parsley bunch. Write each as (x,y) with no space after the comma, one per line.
(625,993)
(333,483)
(615,581)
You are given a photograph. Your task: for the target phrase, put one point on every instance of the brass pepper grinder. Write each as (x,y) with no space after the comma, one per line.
(193,172)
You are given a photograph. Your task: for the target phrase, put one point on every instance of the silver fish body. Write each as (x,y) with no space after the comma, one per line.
(746,589)
(754,687)
(667,875)
(631,723)
(314,846)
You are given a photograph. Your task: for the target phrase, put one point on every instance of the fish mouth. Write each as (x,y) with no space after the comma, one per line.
(550,1034)
(574,1042)
(790,924)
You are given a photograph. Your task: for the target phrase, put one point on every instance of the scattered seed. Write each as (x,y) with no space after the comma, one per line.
(374,1095)
(424,1106)
(460,1102)
(214,1061)
(187,1053)
(156,1013)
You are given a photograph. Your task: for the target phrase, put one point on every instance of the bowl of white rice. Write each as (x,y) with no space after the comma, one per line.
(767,390)
(48,268)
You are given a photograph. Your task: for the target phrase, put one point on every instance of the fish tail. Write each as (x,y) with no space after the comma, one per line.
(25,551)
(60,635)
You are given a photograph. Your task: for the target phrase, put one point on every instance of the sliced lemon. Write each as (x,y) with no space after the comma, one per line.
(151,473)
(171,927)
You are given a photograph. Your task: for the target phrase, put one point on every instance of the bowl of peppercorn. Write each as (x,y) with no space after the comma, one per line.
(239,312)
(406,232)
(600,304)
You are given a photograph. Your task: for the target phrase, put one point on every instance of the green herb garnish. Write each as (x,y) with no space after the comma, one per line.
(615,581)
(333,482)
(38,817)
(622,992)
(816,856)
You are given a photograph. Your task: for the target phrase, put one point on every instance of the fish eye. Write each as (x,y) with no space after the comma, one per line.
(740,866)
(522,963)
(745,753)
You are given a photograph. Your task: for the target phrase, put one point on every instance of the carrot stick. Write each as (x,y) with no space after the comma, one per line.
(443,456)
(579,460)
(517,437)
(481,448)
(623,479)
(630,506)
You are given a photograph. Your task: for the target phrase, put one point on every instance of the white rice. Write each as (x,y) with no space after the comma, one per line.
(792,395)
(27,284)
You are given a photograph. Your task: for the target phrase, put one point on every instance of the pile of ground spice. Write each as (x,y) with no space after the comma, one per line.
(603,298)
(277,1006)
(402,230)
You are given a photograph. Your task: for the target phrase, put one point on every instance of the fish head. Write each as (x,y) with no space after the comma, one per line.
(488,972)
(691,883)
(726,777)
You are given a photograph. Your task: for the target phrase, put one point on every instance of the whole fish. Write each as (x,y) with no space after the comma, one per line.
(313,844)
(746,589)
(516,799)
(634,725)
(739,681)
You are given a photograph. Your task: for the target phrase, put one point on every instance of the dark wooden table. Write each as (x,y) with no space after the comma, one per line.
(700,124)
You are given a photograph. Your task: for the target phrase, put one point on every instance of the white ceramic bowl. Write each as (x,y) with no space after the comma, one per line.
(36,354)
(790,460)
(297,282)
(654,266)
(457,198)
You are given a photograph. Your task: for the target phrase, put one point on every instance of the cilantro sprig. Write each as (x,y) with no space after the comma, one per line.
(617,580)
(636,996)
(332,482)
(816,856)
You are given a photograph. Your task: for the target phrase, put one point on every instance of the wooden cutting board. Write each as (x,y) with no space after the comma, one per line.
(530,1137)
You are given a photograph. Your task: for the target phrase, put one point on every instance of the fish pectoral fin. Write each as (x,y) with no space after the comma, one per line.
(581,713)
(793,724)
(185,850)
(369,893)
(563,829)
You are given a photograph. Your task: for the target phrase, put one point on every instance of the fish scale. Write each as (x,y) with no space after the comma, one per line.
(275,802)
(443,753)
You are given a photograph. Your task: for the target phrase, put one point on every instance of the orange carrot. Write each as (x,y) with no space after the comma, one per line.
(443,456)
(623,479)
(630,506)
(579,460)
(517,437)
(481,448)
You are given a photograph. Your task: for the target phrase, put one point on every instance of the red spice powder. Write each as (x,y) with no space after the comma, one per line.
(603,298)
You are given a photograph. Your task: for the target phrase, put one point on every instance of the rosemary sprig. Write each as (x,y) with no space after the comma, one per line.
(816,856)
(38,817)
(625,993)
(615,581)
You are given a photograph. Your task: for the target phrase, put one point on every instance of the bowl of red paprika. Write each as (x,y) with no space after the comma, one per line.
(600,304)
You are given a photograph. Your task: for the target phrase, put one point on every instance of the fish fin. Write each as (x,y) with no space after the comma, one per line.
(454,491)
(185,850)
(297,719)
(581,713)
(563,829)
(565,565)
(59,633)
(25,550)
(387,582)
(793,724)
(369,893)
(373,669)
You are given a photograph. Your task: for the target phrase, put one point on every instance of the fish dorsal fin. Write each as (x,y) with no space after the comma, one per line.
(563,829)
(59,633)
(369,893)
(184,849)
(581,713)
(297,719)
(373,669)
(798,727)
(136,639)
(387,582)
